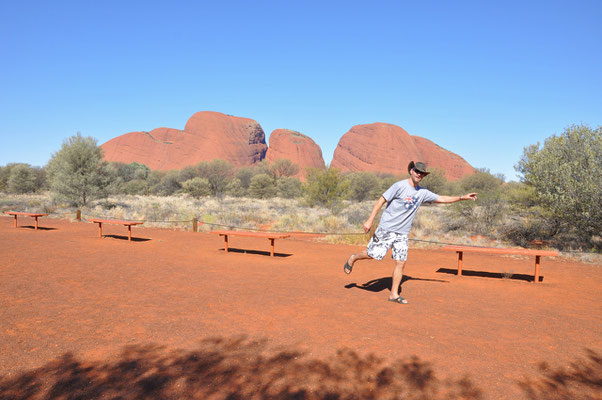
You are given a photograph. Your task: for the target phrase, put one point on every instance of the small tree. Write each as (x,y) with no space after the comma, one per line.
(235,188)
(325,187)
(289,187)
(4,175)
(482,182)
(245,174)
(154,181)
(283,168)
(188,173)
(197,187)
(170,183)
(218,173)
(566,174)
(262,186)
(22,179)
(484,216)
(435,181)
(77,172)
(362,185)
(385,182)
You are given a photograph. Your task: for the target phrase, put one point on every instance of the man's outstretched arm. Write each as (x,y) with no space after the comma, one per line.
(453,199)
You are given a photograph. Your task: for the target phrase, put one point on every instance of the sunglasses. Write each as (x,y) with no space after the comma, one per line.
(419,172)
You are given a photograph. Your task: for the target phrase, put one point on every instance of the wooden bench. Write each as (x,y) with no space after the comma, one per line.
(490,250)
(25,214)
(266,235)
(129,224)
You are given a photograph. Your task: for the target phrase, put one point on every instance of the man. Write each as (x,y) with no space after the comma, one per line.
(403,200)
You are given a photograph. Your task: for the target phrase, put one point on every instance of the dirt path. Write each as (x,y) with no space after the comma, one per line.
(64,290)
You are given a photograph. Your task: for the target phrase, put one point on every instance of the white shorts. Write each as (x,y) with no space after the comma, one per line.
(383,240)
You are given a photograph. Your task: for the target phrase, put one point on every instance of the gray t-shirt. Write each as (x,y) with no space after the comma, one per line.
(402,203)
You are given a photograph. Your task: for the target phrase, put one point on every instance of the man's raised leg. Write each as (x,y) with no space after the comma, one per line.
(353,258)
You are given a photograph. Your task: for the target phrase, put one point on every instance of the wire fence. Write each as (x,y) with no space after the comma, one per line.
(195,222)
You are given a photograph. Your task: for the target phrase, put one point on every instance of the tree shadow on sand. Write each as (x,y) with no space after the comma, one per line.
(581,380)
(231,369)
(380,284)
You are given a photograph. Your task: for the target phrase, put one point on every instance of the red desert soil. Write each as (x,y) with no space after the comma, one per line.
(67,295)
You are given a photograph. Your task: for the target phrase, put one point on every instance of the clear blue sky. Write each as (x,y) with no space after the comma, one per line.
(483,79)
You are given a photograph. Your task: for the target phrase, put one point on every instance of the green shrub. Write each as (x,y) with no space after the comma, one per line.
(135,187)
(169,184)
(289,187)
(435,182)
(197,187)
(283,168)
(218,173)
(235,188)
(385,182)
(362,185)
(77,172)
(566,174)
(188,173)
(325,188)
(519,195)
(481,182)
(22,179)
(525,231)
(262,186)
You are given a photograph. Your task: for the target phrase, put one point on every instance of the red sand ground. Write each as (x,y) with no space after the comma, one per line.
(64,290)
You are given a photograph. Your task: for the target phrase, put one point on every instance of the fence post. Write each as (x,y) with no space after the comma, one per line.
(194,224)
(78,215)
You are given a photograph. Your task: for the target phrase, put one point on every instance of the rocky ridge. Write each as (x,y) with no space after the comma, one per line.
(297,147)
(207,135)
(387,148)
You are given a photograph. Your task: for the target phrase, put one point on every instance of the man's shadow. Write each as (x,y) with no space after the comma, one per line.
(380,284)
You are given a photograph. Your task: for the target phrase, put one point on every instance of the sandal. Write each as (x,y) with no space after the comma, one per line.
(347,268)
(399,300)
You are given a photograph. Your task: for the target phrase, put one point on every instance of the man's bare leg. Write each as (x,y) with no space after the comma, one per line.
(397,276)
(355,257)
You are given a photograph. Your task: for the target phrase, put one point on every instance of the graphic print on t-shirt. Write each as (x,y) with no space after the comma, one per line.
(410,202)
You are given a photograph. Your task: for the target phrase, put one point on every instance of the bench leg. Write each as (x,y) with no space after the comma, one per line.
(272,249)
(15,221)
(459,263)
(226,242)
(100,230)
(537,261)
(36,218)
(130,233)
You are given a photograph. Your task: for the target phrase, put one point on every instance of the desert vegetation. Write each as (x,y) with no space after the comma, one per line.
(556,203)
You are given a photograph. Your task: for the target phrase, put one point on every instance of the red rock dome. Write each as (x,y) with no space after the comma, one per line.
(206,136)
(296,147)
(388,149)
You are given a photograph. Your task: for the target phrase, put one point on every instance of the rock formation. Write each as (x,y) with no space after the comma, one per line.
(296,147)
(435,156)
(377,147)
(388,148)
(206,136)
